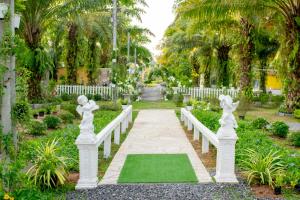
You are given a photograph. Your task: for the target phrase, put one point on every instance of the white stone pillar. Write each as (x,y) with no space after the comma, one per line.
(181,116)
(225,170)
(196,134)
(117,135)
(88,161)
(205,144)
(185,121)
(107,146)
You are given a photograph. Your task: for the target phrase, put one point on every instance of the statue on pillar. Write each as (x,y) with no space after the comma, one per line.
(85,110)
(228,122)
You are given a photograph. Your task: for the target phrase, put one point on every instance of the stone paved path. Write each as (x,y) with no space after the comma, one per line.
(294,126)
(152,94)
(155,132)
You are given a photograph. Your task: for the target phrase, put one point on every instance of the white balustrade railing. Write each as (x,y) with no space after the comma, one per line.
(88,145)
(201,93)
(107,92)
(224,141)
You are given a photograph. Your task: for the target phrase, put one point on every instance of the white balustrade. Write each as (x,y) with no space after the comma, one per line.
(85,90)
(224,141)
(88,142)
(198,92)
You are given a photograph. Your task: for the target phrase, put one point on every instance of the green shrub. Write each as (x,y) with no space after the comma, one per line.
(52,121)
(178,99)
(264,98)
(209,118)
(21,112)
(278,99)
(170,96)
(90,96)
(37,128)
(70,108)
(280,129)
(49,109)
(49,169)
(111,106)
(189,103)
(97,97)
(67,117)
(123,101)
(65,97)
(297,113)
(260,123)
(262,168)
(294,138)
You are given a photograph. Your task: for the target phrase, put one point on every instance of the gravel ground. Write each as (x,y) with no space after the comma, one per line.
(211,191)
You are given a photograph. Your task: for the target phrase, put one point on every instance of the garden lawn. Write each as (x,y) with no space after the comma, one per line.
(154,105)
(157,168)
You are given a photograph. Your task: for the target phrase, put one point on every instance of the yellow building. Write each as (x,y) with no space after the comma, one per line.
(273,82)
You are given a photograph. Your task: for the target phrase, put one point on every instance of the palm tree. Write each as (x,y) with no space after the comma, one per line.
(290,13)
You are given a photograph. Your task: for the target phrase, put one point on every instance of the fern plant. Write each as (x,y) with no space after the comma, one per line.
(262,168)
(49,169)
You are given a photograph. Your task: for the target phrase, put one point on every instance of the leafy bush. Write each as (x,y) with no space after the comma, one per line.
(260,123)
(178,99)
(123,101)
(49,169)
(170,96)
(65,97)
(189,103)
(294,138)
(264,98)
(280,129)
(262,168)
(21,112)
(297,113)
(67,117)
(278,99)
(52,121)
(208,118)
(37,128)
(97,97)
(90,96)
(111,106)
(70,108)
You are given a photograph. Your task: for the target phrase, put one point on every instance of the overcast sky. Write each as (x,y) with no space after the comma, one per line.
(159,15)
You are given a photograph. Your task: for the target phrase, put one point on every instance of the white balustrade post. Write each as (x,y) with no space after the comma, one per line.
(87,144)
(196,134)
(190,125)
(225,170)
(185,121)
(205,144)
(117,135)
(107,146)
(130,116)
(123,126)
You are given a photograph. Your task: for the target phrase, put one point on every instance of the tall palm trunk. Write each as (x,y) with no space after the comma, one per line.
(247,50)
(92,60)
(72,54)
(223,59)
(263,75)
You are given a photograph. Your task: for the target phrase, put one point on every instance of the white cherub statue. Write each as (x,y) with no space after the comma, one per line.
(229,107)
(85,109)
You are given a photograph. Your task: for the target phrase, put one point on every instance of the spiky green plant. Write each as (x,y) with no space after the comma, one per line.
(262,168)
(49,169)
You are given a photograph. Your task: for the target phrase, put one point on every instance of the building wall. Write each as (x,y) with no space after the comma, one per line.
(273,82)
(81,75)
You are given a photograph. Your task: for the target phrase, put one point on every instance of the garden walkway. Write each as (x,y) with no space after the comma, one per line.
(155,132)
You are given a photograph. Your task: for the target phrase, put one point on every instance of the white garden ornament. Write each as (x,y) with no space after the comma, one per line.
(3,10)
(85,109)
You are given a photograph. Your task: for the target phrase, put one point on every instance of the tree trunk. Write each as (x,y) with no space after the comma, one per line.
(263,75)
(207,76)
(223,59)
(247,50)
(92,61)
(72,63)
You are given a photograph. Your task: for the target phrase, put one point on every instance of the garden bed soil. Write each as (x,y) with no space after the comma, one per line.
(73,177)
(264,191)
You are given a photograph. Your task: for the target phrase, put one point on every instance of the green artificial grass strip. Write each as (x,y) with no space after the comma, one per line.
(157,168)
